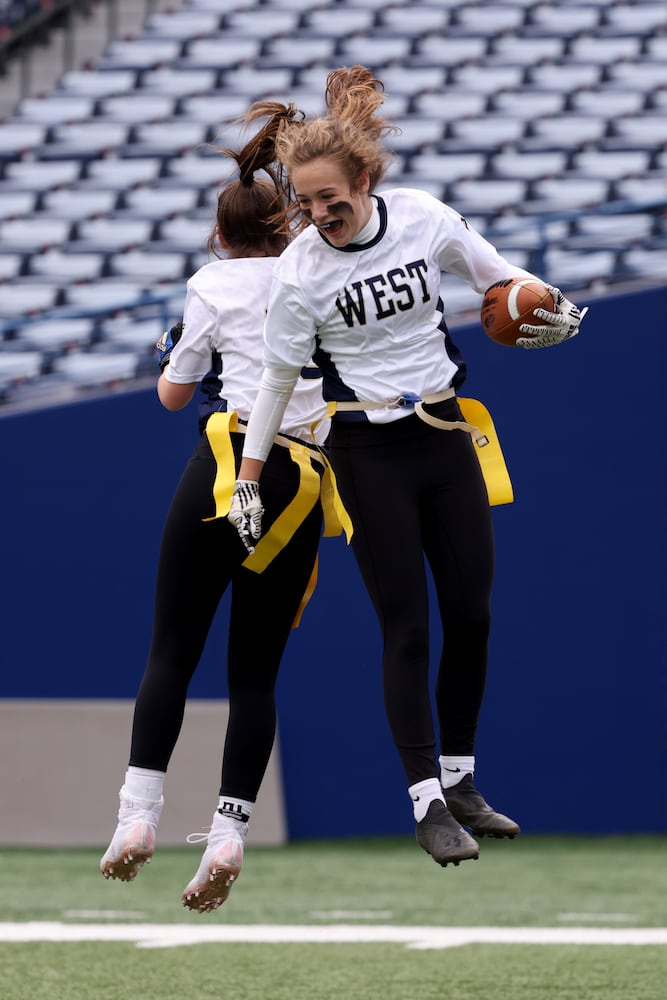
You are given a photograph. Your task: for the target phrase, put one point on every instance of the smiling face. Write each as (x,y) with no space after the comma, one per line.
(323,191)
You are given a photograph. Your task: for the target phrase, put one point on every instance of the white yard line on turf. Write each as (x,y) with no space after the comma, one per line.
(173,935)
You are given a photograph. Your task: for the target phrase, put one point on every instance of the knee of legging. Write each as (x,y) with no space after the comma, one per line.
(407,642)
(470,628)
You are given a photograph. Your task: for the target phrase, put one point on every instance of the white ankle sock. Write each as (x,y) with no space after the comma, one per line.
(452,769)
(141,783)
(422,794)
(237,810)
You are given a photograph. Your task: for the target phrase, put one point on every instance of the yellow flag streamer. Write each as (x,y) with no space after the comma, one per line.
(491,459)
(218,429)
(284,526)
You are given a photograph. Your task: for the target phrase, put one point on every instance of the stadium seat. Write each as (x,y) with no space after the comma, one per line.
(106,294)
(177,135)
(413,20)
(119,174)
(215,108)
(527,104)
(10,265)
(20,364)
(510,50)
(509,231)
(59,266)
(564,77)
(259,84)
(446,167)
(218,53)
(611,165)
(595,49)
(178,82)
(134,333)
(569,193)
(606,103)
(646,130)
(552,19)
(74,204)
(272,21)
(185,233)
(159,202)
(26,299)
(139,53)
(373,50)
(567,131)
(33,233)
(636,18)
(337,22)
(87,138)
(53,109)
(111,233)
(415,133)
(645,263)
(447,106)
(16,203)
(411,81)
(55,335)
(20,138)
(182,24)
(484,196)
(601,230)
(634,73)
(487,19)
(571,270)
(439,50)
(200,171)
(529,166)
(90,369)
(295,53)
(486,79)
(150,265)
(138,107)
(488,132)
(39,175)
(97,83)
(640,190)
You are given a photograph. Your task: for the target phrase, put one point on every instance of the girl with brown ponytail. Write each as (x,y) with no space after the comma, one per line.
(219,347)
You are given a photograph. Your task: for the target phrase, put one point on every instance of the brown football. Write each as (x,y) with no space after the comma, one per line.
(510,303)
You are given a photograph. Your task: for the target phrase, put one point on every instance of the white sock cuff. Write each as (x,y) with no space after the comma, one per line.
(236,809)
(427,789)
(142,783)
(422,794)
(452,769)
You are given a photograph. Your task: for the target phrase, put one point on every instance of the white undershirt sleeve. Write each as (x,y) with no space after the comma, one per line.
(274,394)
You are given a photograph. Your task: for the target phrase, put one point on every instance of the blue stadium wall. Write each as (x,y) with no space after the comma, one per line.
(573,735)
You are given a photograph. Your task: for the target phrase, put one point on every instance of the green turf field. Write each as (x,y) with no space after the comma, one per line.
(356,919)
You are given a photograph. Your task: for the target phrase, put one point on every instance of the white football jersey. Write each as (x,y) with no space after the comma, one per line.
(371,315)
(221,345)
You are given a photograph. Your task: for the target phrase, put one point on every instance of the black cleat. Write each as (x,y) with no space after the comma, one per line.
(470,809)
(442,837)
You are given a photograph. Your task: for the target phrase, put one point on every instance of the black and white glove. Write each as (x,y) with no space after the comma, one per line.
(166,344)
(561,325)
(246,512)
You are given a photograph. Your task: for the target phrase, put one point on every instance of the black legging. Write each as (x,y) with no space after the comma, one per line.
(198,561)
(412,491)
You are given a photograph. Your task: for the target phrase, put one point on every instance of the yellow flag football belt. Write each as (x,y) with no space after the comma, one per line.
(312,487)
(477,423)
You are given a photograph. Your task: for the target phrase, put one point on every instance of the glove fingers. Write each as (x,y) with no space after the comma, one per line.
(555,318)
